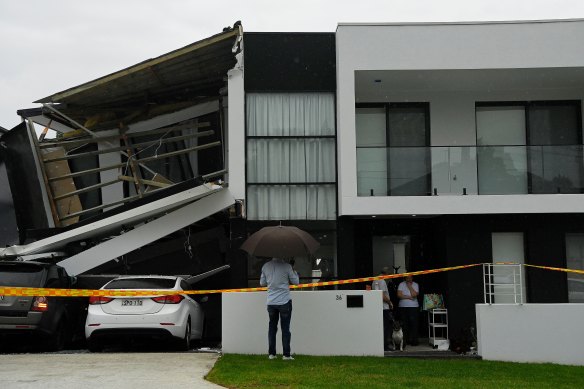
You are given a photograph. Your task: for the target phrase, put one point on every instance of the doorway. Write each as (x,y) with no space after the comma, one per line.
(392,251)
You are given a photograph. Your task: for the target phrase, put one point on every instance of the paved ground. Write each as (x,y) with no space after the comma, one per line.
(106,370)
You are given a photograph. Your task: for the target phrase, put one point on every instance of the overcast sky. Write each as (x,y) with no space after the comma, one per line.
(49,46)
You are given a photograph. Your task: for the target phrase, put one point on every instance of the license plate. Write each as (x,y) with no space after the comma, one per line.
(135,303)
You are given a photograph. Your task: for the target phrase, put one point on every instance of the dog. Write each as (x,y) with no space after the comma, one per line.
(397,336)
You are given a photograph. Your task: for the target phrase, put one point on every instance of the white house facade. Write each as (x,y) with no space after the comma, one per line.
(451,144)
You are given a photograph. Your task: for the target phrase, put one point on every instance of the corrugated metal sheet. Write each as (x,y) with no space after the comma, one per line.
(161,85)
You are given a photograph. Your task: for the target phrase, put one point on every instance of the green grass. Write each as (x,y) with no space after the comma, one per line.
(245,371)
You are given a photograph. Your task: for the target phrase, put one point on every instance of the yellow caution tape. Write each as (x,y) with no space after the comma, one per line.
(576,271)
(562,269)
(52,292)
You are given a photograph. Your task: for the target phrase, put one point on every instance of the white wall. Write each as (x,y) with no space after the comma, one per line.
(236,134)
(531,333)
(114,192)
(441,47)
(321,324)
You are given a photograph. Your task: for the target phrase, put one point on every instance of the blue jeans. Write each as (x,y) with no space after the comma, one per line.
(285,313)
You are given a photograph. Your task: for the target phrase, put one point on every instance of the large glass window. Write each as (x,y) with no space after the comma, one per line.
(291,157)
(502,164)
(393,157)
(530,147)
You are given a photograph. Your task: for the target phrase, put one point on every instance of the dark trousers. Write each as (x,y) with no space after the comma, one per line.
(409,319)
(387,328)
(277,312)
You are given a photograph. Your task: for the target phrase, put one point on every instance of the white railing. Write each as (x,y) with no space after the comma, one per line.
(503,283)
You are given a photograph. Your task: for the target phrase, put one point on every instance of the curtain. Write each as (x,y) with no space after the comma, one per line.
(302,160)
(290,160)
(290,114)
(291,202)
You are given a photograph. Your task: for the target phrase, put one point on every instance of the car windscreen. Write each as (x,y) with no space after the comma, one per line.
(141,283)
(21,276)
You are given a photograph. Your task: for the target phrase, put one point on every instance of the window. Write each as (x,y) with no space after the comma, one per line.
(502,159)
(393,157)
(529,147)
(575,260)
(141,283)
(291,156)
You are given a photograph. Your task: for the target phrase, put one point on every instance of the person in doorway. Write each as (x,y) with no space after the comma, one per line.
(387,307)
(407,292)
(278,275)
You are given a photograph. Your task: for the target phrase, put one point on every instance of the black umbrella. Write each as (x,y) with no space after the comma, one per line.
(280,242)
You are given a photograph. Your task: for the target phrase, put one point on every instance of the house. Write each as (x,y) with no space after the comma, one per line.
(450,144)
(417,146)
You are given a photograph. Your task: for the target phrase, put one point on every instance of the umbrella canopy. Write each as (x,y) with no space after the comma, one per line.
(280,242)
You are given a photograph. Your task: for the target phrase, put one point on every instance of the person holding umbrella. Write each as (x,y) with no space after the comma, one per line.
(279,242)
(278,275)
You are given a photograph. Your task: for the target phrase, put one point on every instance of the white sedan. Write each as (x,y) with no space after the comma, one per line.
(177,317)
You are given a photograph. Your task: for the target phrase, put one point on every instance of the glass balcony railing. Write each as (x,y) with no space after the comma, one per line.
(460,170)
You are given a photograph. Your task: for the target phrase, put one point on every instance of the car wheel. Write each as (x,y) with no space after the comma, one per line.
(185,344)
(94,346)
(57,341)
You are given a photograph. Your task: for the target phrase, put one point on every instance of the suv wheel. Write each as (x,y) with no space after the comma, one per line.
(57,341)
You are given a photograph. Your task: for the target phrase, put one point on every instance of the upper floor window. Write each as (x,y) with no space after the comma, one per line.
(529,147)
(291,157)
(393,157)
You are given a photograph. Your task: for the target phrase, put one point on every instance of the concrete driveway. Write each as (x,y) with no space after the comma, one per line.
(84,370)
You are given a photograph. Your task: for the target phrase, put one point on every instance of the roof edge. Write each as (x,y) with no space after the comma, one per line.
(140,66)
(463,23)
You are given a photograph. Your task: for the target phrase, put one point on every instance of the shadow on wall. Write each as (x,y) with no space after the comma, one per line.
(8,229)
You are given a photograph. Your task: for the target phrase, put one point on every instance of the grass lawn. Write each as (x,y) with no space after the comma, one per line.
(245,371)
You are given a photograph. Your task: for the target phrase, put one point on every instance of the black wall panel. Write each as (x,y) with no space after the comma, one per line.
(8,229)
(546,246)
(24,182)
(288,62)
(466,243)
(345,247)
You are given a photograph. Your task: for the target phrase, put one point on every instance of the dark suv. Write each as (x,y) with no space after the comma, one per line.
(54,321)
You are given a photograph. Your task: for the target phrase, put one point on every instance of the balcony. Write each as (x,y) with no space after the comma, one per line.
(469,170)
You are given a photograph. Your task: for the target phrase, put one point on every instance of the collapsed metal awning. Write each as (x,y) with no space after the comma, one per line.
(170,214)
(164,84)
(130,133)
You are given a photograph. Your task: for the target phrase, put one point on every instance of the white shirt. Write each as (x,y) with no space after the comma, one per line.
(381,285)
(407,303)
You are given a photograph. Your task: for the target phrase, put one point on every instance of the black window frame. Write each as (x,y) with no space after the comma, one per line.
(527,104)
(388,106)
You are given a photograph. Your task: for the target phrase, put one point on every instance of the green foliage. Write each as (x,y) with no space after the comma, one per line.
(245,371)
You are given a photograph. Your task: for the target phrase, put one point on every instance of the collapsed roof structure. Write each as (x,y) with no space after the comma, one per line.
(138,156)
